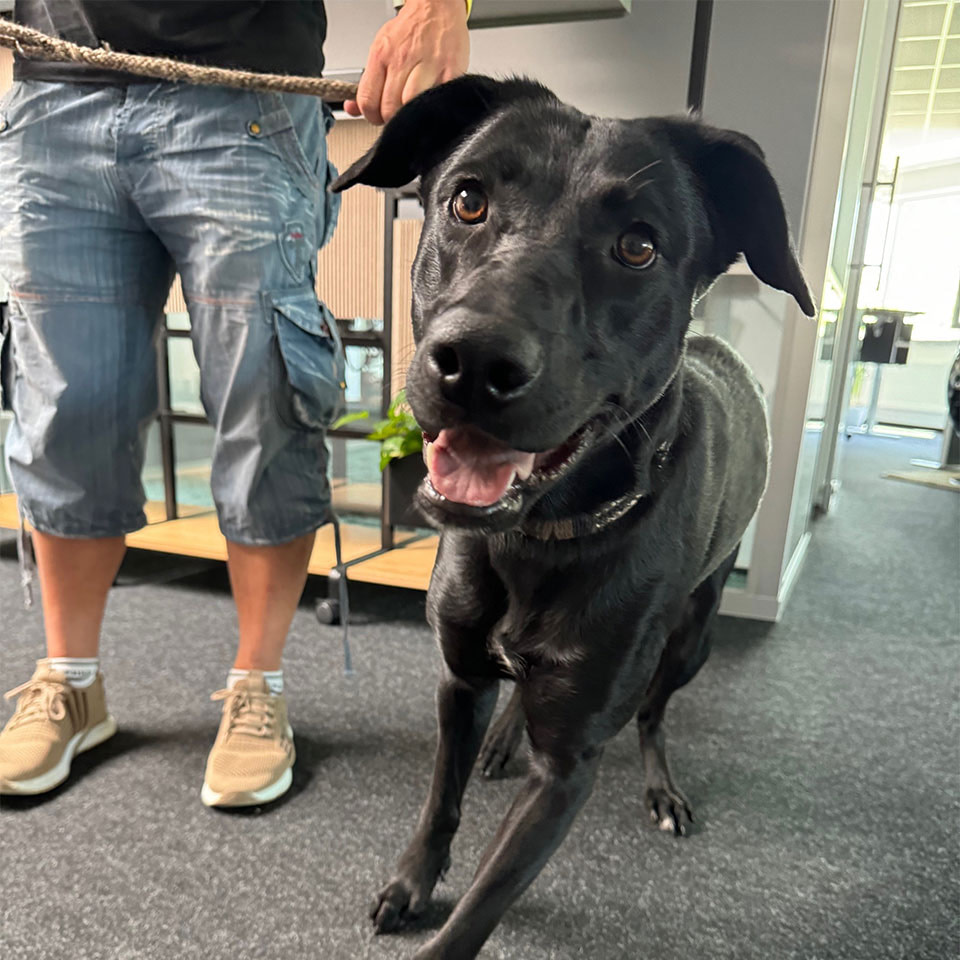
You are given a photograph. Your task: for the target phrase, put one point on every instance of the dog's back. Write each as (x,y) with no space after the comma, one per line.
(727,449)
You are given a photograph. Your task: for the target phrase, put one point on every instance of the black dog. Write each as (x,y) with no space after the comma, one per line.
(591,467)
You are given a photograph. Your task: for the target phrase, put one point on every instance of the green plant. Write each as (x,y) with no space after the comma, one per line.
(398,434)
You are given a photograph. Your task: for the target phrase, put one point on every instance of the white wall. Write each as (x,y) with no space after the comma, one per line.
(630,66)
(763,78)
(915,394)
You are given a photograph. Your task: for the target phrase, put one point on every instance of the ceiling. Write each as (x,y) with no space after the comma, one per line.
(925,88)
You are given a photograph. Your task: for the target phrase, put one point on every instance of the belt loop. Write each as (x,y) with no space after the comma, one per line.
(28,563)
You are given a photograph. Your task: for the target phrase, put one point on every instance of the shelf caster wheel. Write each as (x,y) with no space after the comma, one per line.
(328,611)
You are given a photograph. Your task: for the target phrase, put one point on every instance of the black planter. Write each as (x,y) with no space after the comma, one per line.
(403,476)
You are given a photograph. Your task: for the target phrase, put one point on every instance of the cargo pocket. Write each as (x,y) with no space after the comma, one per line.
(310,394)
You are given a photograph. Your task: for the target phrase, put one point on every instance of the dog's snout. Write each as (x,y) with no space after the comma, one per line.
(476,369)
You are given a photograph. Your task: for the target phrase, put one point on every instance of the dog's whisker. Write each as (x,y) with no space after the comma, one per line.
(641,185)
(626,418)
(637,173)
(620,443)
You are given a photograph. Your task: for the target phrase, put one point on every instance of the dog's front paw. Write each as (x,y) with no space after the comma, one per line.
(395,906)
(669,809)
(404,898)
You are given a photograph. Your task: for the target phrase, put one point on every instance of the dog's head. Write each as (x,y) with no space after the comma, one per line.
(553,286)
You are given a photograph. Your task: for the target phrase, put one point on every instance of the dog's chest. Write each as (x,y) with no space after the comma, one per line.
(541,623)
(517,640)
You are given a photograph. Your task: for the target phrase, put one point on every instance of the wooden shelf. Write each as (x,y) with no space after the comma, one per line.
(10,520)
(197,534)
(407,566)
(200,537)
(362,498)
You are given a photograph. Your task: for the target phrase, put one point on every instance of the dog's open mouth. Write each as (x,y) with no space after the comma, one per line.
(468,467)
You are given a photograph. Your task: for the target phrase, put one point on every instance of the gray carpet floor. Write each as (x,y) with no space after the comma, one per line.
(820,755)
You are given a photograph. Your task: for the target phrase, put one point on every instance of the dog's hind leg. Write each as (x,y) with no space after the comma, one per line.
(504,737)
(685,653)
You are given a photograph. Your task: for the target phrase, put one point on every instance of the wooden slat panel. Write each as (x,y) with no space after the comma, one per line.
(406,236)
(6,69)
(175,301)
(350,267)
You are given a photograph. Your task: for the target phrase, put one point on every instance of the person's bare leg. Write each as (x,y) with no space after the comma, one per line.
(267,583)
(75,578)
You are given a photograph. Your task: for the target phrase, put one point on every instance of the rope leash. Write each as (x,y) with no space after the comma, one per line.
(36,45)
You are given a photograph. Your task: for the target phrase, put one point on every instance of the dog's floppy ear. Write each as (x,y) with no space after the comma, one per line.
(744,205)
(427,129)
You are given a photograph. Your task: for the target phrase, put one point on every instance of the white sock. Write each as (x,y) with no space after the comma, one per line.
(273,679)
(79,671)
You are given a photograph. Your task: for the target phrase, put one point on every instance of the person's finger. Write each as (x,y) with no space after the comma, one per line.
(370,90)
(392,98)
(350,106)
(422,77)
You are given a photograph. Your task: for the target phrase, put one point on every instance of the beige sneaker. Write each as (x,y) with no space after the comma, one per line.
(53,722)
(252,758)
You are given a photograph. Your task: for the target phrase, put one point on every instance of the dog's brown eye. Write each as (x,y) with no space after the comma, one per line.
(635,248)
(469,203)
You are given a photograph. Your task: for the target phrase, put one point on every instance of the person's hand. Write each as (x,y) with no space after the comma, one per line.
(426,43)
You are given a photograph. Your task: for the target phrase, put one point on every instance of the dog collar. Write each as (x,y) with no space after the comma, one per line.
(572,527)
(590,523)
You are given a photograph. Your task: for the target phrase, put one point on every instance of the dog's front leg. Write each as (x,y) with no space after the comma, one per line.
(553,794)
(464,709)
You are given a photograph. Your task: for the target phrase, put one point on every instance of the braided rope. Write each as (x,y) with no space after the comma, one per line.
(36,45)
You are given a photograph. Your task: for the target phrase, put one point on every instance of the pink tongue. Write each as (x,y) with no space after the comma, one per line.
(468,467)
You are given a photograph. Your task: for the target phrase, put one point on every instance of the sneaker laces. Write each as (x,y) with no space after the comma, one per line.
(250,712)
(38,701)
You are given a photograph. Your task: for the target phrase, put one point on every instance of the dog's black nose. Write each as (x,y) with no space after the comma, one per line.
(481,367)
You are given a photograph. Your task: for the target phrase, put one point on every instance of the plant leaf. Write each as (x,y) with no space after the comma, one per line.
(349,418)
(382,430)
(400,400)
(412,443)
(390,450)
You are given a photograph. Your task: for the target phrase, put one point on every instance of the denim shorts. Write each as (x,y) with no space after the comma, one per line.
(105,192)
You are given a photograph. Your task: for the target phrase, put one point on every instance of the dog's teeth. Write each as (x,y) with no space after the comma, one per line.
(524,472)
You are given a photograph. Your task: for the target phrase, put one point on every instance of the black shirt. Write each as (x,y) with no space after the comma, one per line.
(268,36)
